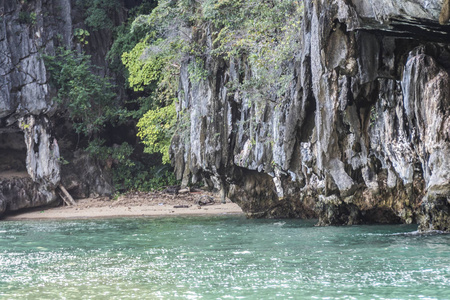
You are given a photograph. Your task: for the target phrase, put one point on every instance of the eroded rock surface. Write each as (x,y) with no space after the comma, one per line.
(363,136)
(30,174)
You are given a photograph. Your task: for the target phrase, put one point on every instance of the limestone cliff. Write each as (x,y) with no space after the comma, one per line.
(30,168)
(363,135)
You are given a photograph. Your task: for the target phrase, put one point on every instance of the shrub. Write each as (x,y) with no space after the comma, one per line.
(156,129)
(88,97)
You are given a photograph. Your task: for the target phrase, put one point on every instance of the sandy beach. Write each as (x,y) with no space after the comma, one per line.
(133,205)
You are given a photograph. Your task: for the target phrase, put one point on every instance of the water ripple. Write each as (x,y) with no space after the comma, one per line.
(219,258)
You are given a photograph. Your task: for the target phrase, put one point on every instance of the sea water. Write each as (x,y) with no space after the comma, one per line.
(224,257)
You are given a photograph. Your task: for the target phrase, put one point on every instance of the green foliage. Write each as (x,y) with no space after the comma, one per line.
(197,71)
(63,161)
(88,97)
(149,50)
(151,47)
(129,174)
(91,102)
(26,17)
(141,178)
(265,33)
(98,13)
(155,62)
(156,129)
(119,154)
(126,36)
(142,71)
(160,52)
(162,176)
(126,39)
(373,115)
(80,35)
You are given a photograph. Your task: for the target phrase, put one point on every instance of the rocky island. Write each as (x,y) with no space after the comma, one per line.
(358,133)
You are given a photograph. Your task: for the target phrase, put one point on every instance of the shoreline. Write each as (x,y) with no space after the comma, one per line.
(132,205)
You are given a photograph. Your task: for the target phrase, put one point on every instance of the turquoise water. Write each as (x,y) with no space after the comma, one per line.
(219,258)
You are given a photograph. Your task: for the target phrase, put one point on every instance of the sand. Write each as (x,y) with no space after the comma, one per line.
(134,204)
(10,174)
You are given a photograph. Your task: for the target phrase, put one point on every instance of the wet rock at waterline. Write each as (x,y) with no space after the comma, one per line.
(362,136)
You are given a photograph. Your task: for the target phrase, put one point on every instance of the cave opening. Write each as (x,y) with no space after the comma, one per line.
(13,151)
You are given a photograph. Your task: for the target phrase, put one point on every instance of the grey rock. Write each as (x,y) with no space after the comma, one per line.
(27,106)
(363,136)
(20,193)
(84,177)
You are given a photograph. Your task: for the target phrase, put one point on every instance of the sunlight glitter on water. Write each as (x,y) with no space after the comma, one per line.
(219,258)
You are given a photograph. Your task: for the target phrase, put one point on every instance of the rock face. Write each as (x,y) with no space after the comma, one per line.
(363,136)
(84,177)
(28,29)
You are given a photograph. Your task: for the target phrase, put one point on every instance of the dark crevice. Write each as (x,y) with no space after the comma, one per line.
(412,29)
(380,216)
(356,175)
(13,153)
(308,125)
